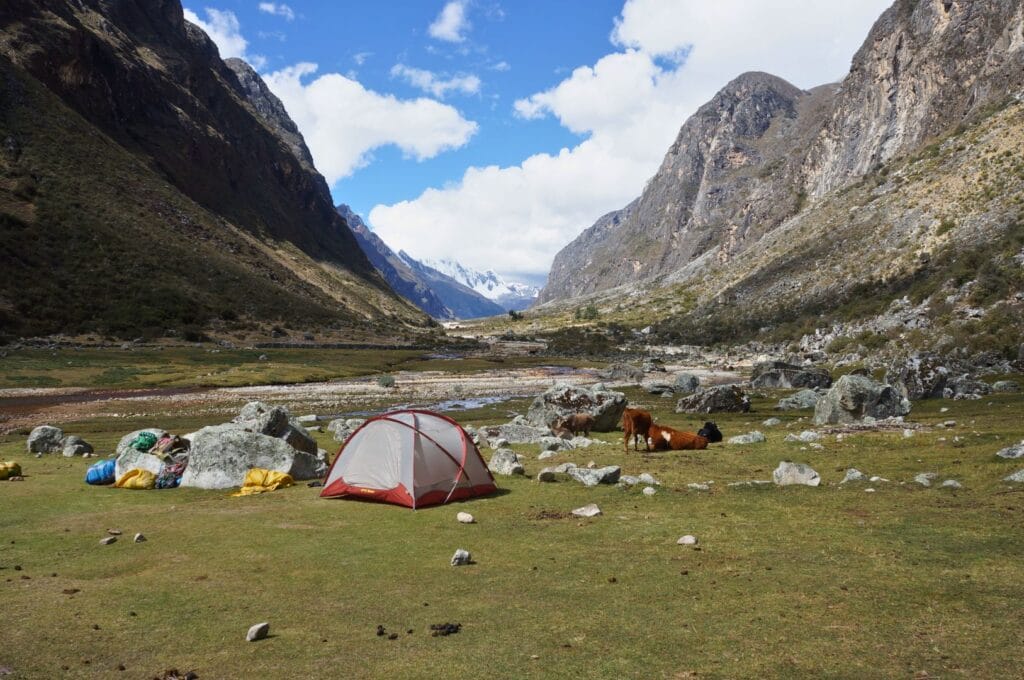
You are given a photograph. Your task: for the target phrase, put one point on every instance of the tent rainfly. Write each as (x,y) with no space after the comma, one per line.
(411,458)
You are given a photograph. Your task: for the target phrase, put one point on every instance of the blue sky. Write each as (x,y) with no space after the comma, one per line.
(494,131)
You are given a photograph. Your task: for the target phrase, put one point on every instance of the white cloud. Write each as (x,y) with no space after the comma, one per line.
(674,56)
(502,66)
(280,10)
(361,57)
(452,23)
(224,30)
(343,122)
(429,82)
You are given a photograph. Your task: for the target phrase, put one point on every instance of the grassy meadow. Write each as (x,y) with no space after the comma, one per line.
(785,582)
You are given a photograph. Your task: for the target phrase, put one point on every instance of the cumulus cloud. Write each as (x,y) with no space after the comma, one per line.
(278,9)
(452,23)
(224,30)
(429,82)
(343,122)
(671,56)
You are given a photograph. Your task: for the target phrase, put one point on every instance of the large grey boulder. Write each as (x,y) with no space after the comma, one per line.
(800,400)
(686,383)
(1006,386)
(505,462)
(129,459)
(780,375)
(918,376)
(622,373)
(594,476)
(789,474)
(965,386)
(73,445)
(515,433)
(221,455)
(718,399)
(342,428)
(855,396)
(1012,452)
(562,400)
(276,421)
(45,439)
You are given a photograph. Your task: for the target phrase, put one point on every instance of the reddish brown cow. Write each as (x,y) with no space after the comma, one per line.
(577,422)
(635,424)
(666,439)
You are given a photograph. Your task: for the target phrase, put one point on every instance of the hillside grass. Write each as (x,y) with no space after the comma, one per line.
(788,582)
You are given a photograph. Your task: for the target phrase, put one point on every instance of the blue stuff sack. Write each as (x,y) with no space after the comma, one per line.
(101,473)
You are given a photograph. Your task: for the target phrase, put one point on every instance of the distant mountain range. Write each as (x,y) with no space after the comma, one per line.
(444,289)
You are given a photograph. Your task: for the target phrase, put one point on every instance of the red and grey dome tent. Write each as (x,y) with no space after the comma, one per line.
(411,458)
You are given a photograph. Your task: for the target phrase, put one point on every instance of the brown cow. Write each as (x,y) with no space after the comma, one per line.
(666,439)
(635,424)
(577,422)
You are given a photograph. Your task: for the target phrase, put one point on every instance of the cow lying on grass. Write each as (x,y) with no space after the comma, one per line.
(635,424)
(576,423)
(667,439)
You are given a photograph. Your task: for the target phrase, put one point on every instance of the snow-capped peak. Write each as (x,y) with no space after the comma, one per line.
(487,283)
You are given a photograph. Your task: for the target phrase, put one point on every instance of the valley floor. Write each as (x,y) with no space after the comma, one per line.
(785,582)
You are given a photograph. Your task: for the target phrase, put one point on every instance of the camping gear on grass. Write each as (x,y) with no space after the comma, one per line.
(9,469)
(101,472)
(412,458)
(136,479)
(259,480)
(168,445)
(171,472)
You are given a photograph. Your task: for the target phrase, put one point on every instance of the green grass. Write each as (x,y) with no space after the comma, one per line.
(793,582)
(192,367)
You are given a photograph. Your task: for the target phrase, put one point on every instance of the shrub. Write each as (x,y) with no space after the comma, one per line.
(386,381)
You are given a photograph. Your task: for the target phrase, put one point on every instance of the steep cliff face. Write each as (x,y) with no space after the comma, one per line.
(730,175)
(926,66)
(761,150)
(142,173)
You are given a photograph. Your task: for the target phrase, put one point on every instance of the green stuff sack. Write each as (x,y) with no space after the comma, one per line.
(144,441)
(9,469)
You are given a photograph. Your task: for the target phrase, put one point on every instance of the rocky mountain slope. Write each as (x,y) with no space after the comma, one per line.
(744,222)
(510,295)
(463,301)
(148,188)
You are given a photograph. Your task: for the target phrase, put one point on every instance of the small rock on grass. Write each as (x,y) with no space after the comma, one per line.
(461,557)
(465,518)
(649,491)
(258,632)
(114,532)
(139,538)
(925,478)
(688,539)
(853,475)
(951,484)
(108,540)
(587,511)
(1015,477)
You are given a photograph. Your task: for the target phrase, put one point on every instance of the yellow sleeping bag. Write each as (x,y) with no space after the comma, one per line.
(258,480)
(9,469)
(136,479)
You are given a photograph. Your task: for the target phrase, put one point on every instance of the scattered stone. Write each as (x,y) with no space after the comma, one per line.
(869,490)
(966,387)
(465,518)
(45,439)
(461,557)
(855,397)
(780,375)
(772,422)
(800,400)
(587,511)
(1006,386)
(804,437)
(925,478)
(562,400)
(754,437)
(951,484)
(108,540)
(1012,452)
(263,357)
(918,376)
(547,444)
(544,455)
(594,476)
(546,475)
(949,423)
(718,399)
(686,383)
(564,468)
(788,474)
(698,487)
(751,484)
(506,462)
(648,478)
(649,491)
(258,632)
(622,373)
(139,538)
(114,532)
(907,434)
(853,475)
(687,540)
(1015,477)
(73,445)
(876,479)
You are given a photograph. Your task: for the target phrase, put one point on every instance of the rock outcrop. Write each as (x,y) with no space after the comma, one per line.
(855,397)
(781,375)
(221,455)
(605,406)
(718,399)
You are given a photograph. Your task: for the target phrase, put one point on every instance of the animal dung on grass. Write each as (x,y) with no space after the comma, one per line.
(461,557)
(590,510)
(258,632)
(790,474)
